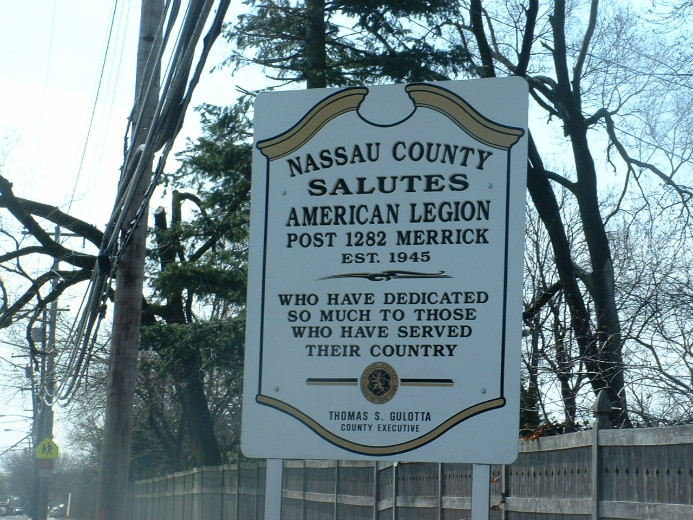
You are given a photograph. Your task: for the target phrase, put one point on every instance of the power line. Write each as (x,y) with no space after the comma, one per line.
(85,329)
(45,82)
(168,120)
(27,436)
(116,66)
(96,100)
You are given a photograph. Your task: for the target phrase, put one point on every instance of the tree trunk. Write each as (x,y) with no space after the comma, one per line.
(188,377)
(316,52)
(197,416)
(602,288)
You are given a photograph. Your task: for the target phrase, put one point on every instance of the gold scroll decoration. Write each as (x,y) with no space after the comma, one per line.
(423,95)
(464,115)
(325,111)
(392,449)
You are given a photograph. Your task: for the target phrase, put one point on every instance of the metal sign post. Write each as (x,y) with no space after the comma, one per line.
(481,491)
(274,473)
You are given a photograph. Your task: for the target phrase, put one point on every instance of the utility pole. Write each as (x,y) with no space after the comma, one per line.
(112,491)
(43,410)
(39,505)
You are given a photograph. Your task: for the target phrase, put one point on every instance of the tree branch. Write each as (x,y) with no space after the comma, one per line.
(685,193)
(584,48)
(66,279)
(53,248)
(538,303)
(527,38)
(475,12)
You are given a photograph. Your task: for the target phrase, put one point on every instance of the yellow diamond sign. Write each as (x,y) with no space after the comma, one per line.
(47,449)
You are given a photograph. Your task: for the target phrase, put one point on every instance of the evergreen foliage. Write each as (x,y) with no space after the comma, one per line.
(364,41)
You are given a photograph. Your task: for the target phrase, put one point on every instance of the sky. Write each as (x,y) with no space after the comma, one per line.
(49,84)
(60,142)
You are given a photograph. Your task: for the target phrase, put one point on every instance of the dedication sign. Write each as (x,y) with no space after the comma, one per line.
(386,259)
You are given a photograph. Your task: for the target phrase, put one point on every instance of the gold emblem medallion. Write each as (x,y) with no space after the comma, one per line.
(379,383)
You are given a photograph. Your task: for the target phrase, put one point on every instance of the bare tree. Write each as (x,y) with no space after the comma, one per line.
(654,253)
(553,364)
(585,69)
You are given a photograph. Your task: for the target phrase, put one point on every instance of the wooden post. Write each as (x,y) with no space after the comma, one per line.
(505,489)
(602,413)
(112,490)
(238,488)
(481,491)
(440,489)
(394,491)
(257,489)
(336,490)
(376,489)
(304,512)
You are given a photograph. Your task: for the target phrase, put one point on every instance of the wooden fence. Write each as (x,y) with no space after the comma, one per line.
(640,474)
(229,492)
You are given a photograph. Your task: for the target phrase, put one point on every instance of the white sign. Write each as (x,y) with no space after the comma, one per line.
(386,259)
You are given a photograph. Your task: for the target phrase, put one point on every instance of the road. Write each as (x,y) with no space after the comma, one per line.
(22,517)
